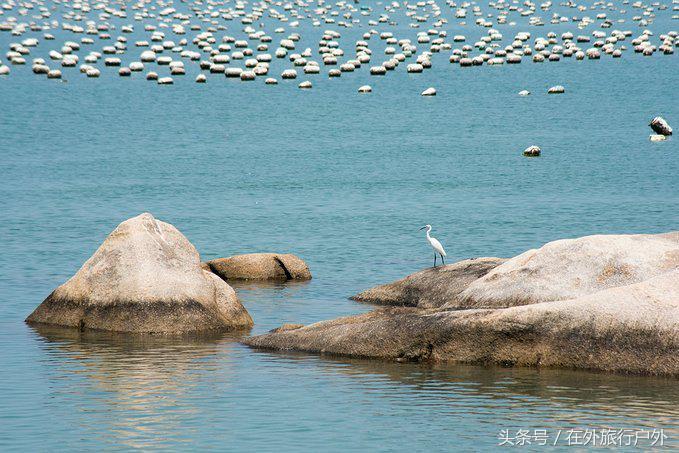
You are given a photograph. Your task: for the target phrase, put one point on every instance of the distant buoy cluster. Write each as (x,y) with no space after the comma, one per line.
(246,40)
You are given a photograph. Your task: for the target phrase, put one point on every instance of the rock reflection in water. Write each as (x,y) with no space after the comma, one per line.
(145,384)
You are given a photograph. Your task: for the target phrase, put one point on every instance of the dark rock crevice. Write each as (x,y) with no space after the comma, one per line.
(288,275)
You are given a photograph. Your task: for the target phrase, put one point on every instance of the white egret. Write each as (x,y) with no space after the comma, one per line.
(435,244)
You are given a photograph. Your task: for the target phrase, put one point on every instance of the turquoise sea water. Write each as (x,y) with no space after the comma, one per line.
(344,181)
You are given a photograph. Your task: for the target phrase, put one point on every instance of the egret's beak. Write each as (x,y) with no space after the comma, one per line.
(423,228)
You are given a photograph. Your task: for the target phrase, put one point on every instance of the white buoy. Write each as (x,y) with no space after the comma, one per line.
(148,56)
(532,151)
(657,137)
(248,76)
(38,69)
(201,78)
(221,59)
(271,81)
(4,69)
(152,76)
(513,58)
(431,91)
(165,81)
(557,89)
(289,74)
(69,61)
(365,89)
(524,93)
(414,68)
(233,72)
(660,126)
(305,85)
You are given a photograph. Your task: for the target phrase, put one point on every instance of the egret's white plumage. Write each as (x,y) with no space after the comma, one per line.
(435,244)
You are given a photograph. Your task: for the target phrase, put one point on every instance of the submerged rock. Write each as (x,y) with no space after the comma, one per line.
(660,126)
(608,303)
(430,288)
(146,277)
(261,266)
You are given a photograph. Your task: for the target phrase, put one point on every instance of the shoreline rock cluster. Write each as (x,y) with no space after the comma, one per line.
(146,277)
(604,303)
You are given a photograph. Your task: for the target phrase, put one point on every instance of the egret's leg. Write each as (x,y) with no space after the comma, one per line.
(434,259)
(444,261)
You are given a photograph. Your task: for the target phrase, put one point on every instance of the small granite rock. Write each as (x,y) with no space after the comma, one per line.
(261,266)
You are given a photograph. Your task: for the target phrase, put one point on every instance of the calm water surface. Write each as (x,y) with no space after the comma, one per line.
(344,181)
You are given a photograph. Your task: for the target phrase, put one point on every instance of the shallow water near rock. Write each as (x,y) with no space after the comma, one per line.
(344,181)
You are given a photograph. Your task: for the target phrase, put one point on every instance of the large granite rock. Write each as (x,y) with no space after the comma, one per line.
(261,266)
(632,327)
(432,287)
(571,268)
(146,277)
